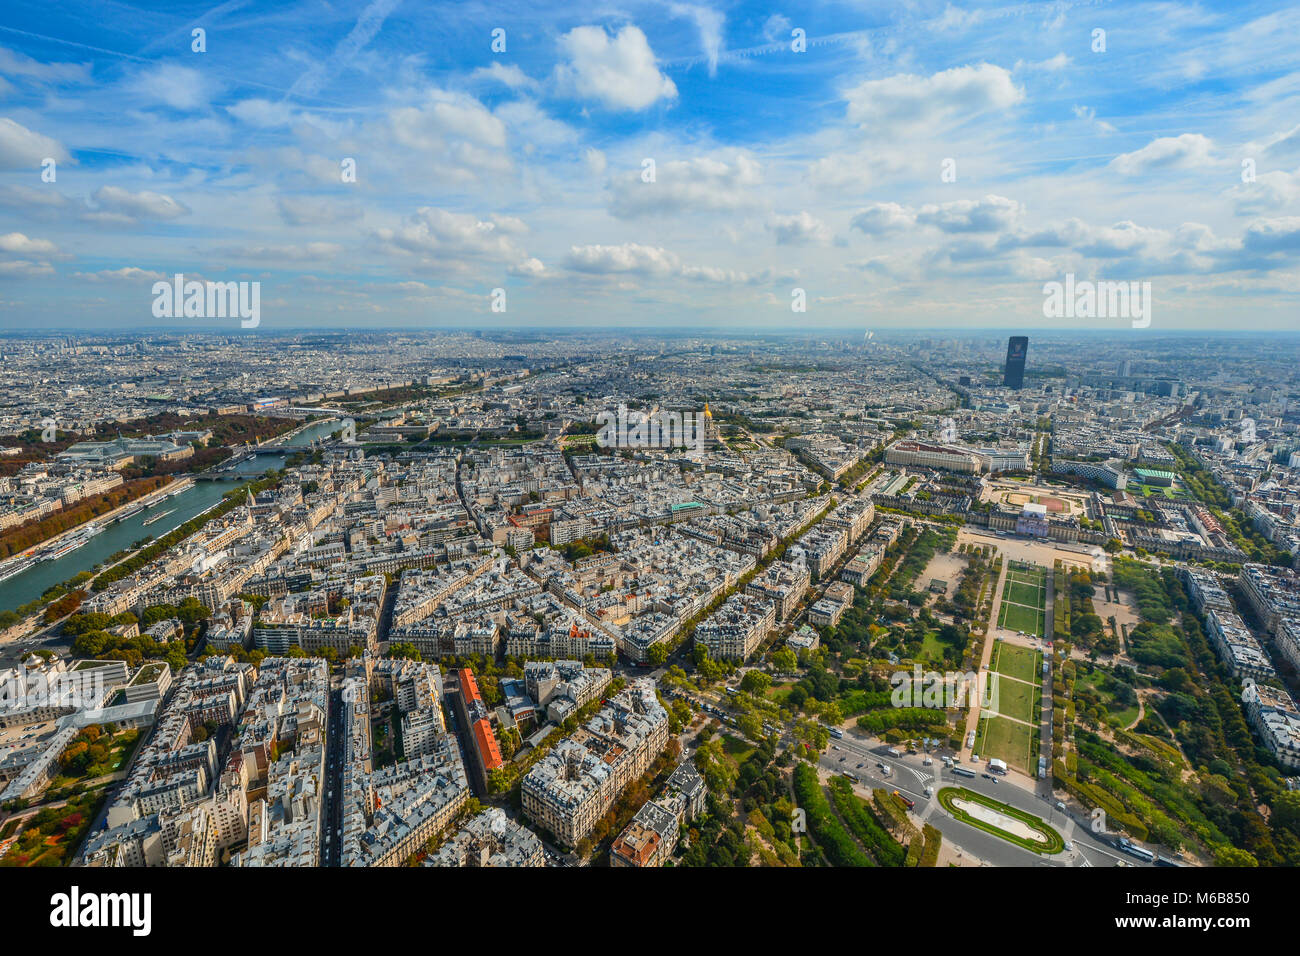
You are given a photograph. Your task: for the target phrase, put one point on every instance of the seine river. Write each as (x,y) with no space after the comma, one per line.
(115,537)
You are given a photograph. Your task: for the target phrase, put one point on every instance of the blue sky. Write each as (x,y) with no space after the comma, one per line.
(774,170)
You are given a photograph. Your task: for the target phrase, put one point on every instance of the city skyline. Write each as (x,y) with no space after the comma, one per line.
(917,166)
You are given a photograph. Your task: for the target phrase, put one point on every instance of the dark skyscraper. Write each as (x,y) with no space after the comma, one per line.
(1017,348)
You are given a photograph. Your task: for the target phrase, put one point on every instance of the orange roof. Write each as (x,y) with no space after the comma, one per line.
(488,750)
(469,686)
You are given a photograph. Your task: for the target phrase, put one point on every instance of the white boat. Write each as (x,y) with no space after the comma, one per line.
(131,513)
(15,568)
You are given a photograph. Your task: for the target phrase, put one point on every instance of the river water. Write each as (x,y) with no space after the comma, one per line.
(115,537)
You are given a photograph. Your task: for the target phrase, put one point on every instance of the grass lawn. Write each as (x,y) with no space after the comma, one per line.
(1030,595)
(932,648)
(1015,698)
(1016,661)
(1017,617)
(1012,742)
(737,749)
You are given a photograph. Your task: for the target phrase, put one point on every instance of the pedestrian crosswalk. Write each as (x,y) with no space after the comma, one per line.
(921,775)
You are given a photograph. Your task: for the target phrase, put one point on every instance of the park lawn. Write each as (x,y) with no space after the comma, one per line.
(1016,698)
(737,749)
(1030,595)
(1016,661)
(1122,718)
(779,693)
(932,649)
(1027,572)
(1008,740)
(1017,617)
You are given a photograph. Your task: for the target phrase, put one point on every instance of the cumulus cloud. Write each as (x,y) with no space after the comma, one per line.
(21,148)
(634,259)
(990,214)
(883,217)
(449,134)
(702,184)
(619,72)
(802,227)
(19,244)
(432,232)
(906,102)
(1167,152)
(1273,235)
(509,76)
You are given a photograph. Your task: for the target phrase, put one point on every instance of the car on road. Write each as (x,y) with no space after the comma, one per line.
(1069,847)
(987,776)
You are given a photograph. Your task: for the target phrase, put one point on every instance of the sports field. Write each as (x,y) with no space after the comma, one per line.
(1024,599)
(1007,728)
(1023,663)
(1012,697)
(1007,739)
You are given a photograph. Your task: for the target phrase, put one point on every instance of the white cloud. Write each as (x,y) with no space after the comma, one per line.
(180,87)
(908,102)
(124,274)
(309,211)
(308,252)
(709,24)
(529,268)
(702,184)
(1273,235)
(798,229)
(141,205)
(20,148)
(14,64)
(1270,191)
(261,113)
(595,161)
(430,232)
(509,76)
(990,214)
(619,71)
(653,262)
(776,28)
(1052,65)
(1167,152)
(24,269)
(19,244)
(883,217)
(1089,115)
